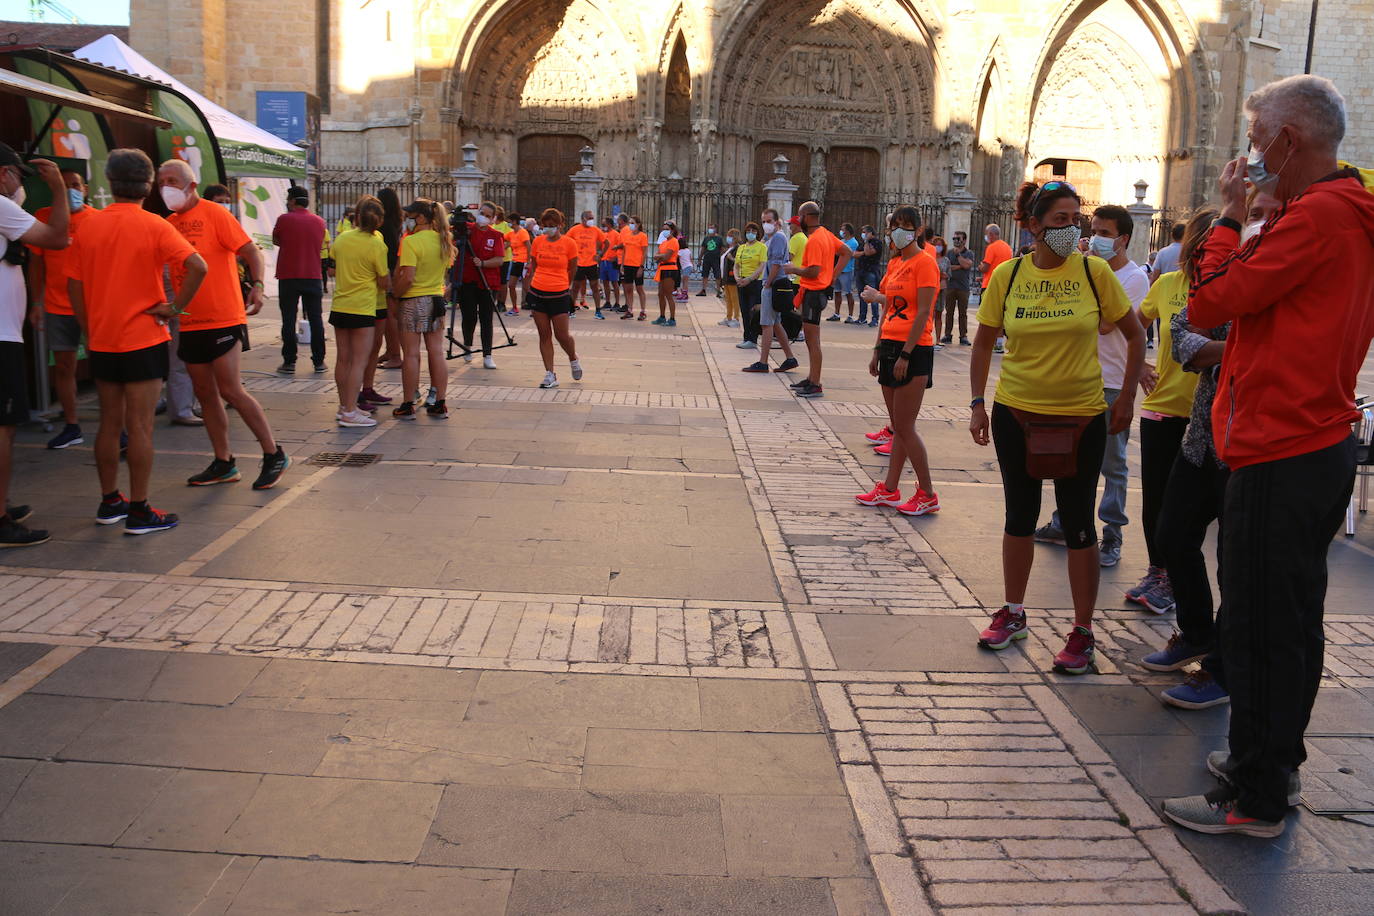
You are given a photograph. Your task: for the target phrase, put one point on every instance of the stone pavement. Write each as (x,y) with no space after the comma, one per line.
(626,646)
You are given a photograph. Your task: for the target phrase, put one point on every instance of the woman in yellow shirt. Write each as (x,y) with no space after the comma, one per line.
(360,276)
(1051,304)
(418,285)
(750,258)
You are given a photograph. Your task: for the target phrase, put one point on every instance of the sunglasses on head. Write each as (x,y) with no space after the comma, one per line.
(1048,186)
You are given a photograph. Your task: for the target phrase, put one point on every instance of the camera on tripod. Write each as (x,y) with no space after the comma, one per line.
(459,221)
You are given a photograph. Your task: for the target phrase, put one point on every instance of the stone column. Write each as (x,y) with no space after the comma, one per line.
(1142,215)
(467,181)
(958,208)
(586,186)
(780,192)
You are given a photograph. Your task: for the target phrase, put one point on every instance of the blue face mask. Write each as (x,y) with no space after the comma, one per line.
(1104,248)
(76,199)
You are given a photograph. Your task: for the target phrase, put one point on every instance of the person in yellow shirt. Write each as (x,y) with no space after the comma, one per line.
(360,275)
(503,226)
(1051,304)
(750,257)
(427,252)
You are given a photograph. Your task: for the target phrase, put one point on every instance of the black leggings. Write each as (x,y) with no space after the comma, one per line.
(750,295)
(476,303)
(1074,496)
(1159,444)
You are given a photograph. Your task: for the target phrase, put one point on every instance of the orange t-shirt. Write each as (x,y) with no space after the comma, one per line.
(587,239)
(904,278)
(119,258)
(552,259)
(667,258)
(518,239)
(636,247)
(822,247)
(612,240)
(57,264)
(998,252)
(217,237)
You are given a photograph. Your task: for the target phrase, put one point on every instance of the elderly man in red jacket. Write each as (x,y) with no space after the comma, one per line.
(1302,320)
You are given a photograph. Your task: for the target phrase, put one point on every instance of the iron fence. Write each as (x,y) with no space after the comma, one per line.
(692,204)
(994,211)
(338,187)
(1162,227)
(529,195)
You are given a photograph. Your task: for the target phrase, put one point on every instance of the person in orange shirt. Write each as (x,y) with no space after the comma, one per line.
(996,252)
(905,353)
(214,329)
(633,248)
(591,244)
(609,268)
(823,256)
(668,275)
(519,241)
(115,284)
(553,259)
(48,278)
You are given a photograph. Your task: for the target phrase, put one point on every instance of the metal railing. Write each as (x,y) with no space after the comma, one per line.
(336,188)
(693,205)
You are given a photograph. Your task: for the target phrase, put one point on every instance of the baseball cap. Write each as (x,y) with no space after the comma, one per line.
(9,157)
(794,221)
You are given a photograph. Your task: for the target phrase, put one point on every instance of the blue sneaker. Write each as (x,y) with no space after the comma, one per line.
(599,316)
(112,511)
(1177,654)
(70,435)
(1200,691)
(670,323)
(659,320)
(147,520)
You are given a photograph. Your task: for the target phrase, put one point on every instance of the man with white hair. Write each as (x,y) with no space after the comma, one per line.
(1302,321)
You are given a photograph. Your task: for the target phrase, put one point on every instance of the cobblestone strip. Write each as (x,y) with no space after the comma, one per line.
(461,629)
(508,395)
(1005,801)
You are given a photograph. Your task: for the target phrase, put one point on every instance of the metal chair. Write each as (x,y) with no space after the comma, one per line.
(1364,462)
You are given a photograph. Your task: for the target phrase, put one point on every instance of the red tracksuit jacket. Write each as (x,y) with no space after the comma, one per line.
(1300,296)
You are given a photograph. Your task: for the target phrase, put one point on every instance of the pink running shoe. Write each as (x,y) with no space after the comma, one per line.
(1005,629)
(1077,655)
(880,495)
(882,435)
(922,503)
(884,448)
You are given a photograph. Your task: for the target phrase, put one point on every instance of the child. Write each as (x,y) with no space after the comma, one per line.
(684,262)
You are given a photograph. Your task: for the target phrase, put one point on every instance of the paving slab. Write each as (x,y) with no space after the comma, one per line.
(586,699)
(120,674)
(16,656)
(793,836)
(551,893)
(41,726)
(310,888)
(758,706)
(79,802)
(12,775)
(868,642)
(193,811)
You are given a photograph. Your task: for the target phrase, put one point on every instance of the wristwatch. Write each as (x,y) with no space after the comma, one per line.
(904,355)
(975,402)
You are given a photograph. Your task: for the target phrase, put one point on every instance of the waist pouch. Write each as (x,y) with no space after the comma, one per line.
(1051,443)
(437,306)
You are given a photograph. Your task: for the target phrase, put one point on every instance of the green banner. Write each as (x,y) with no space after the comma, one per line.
(188,138)
(251,159)
(72,134)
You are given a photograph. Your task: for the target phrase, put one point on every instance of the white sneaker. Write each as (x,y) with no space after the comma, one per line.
(488,363)
(725,323)
(576,369)
(746,345)
(431,397)
(550,381)
(467,357)
(356,419)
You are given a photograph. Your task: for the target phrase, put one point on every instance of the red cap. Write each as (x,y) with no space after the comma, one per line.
(795,220)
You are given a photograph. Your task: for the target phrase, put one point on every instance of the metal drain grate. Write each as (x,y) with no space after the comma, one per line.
(345,459)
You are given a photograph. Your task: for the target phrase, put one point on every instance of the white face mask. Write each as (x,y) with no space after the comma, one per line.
(770,228)
(987,240)
(483,219)
(1251,230)
(902,237)
(634,227)
(711,231)
(410,225)
(590,222)
(939,249)
(550,231)
(173,197)
(664,236)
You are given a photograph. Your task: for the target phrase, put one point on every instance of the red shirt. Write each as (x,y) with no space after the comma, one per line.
(486,244)
(299,236)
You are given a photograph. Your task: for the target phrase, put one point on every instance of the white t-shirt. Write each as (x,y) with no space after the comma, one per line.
(14,222)
(684,259)
(1111,348)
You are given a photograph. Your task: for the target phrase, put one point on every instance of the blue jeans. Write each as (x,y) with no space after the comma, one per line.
(867,276)
(1111,511)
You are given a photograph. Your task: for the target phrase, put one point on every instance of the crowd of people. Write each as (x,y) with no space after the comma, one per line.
(1246,416)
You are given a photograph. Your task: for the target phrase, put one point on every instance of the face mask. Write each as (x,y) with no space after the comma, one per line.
(550,231)
(19,195)
(987,240)
(729,240)
(864,236)
(634,227)
(711,231)
(173,197)
(410,225)
(751,236)
(1102,247)
(939,249)
(226,205)
(664,236)
(1251,230)
(590,222)
(1258,172)
(75,199)
(770,228)
(902,238)
(483,219)
(1062,241)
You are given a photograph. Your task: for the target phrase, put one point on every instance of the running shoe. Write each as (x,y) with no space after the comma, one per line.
(946,339)
(1160,598)
(922,503)
(833,318)
(1109,551)
(598,316)
(882,435)
(1175,655)
(873,323)
(430,396)
(642,316)
(965,342)
(787,365)
(1146,582)
(939,346)
(273,466)
(355,419)
(1006,628)
(1077,655)
(702,293)
(1199,691)
(320,367)
(811,391)
(852,320)
(1218,812)
(627,316)
(366,406)
(747,345)
(576,366)
(488,363)
(146,520)
(1219,765)
(512,312)
(405,411)
(467,356)
(998,347)
(70,435)
(755,367)
(670,323)
(112,510)
(802,383)
(372,397)
(883,448)
(659,320)
(14,534)
(18,513)
(550,381)
(286,369)
(1049,534)
(438,410)
(880,495)
(219,471)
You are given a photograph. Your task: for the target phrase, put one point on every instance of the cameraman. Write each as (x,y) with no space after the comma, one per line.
(481,251)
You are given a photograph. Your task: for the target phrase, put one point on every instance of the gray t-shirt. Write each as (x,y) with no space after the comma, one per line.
(778,253)
(1166,261)
(959,277)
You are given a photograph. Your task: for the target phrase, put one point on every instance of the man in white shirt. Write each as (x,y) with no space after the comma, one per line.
(18,229)
(1111,237)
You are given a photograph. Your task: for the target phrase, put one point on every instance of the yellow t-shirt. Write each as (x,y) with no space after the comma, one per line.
(1051,321)
(796,247)
(1173,394)
(503,227)
(421,251)
(748,257)
(359,259)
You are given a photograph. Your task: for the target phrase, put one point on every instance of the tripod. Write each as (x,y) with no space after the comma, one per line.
(464,252)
